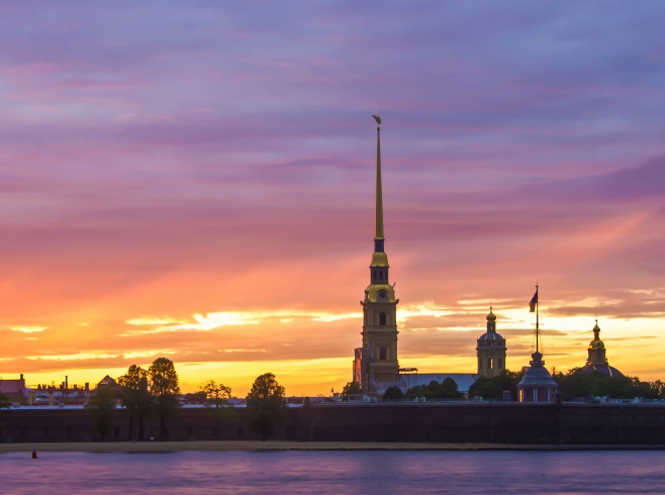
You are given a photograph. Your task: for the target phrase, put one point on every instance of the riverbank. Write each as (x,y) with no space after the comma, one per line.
(280,445)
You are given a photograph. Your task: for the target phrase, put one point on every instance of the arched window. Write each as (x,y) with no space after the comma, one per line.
(480,363)
(489,363)
(500,363)
(383,353)
(382,319)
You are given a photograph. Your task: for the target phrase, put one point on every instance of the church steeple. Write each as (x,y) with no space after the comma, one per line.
(375,365)
(379,266)
(378,222)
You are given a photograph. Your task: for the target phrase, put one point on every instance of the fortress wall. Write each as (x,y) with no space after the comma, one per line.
(412,422)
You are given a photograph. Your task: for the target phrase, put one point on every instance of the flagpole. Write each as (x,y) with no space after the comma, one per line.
(537,311)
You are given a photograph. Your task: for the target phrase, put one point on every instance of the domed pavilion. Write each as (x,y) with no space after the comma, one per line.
(537,384)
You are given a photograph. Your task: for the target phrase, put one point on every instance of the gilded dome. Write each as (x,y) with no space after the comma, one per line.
(596,343)
(491,338)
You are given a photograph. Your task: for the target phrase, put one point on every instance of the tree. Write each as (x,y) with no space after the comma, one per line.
(351,388)
(266,407)
(575,384)
(393,393)
(164,388)
(4,401)
(659,389)
(218,395)
(136,397)
(449,389)
(101,409)
(434,390)
(492,388)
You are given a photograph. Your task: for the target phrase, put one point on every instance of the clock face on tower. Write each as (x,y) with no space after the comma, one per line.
(382,294)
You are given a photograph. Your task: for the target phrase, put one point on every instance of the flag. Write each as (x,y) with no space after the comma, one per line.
(534,301)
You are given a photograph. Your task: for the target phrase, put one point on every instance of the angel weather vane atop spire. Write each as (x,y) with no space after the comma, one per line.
(377,117)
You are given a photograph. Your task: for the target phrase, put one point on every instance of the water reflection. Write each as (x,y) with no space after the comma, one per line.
(335,472)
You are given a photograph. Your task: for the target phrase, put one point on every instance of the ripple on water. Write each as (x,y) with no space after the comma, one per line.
(337,472)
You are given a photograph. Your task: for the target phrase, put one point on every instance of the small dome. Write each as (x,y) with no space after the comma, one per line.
(491,317)
(596,343)
(491,338)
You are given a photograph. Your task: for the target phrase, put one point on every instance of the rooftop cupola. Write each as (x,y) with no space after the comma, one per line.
(491,322)
(597,359)
(597,354)
(491,338)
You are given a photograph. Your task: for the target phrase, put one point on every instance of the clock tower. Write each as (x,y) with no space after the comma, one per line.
(375,366)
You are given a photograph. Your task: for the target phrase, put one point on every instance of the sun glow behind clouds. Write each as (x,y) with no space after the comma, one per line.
(151,321)
(233,318)
(27,329)
(426,309)
(83,356)
(219,319)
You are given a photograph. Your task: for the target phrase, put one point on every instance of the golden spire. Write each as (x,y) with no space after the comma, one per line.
(378,225)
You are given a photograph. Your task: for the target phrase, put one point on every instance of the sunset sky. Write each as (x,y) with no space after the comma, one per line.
(195,180)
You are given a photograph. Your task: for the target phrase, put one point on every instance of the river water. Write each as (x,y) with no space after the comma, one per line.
(337,472)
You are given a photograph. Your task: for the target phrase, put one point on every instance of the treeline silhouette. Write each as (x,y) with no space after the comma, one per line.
(155,393)
(573,384)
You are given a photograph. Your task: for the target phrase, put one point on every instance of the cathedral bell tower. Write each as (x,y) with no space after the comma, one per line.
(491,350)
(375,365)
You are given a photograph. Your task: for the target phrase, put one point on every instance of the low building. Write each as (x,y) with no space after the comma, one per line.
(14,389)
(410,380)
(537,385)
